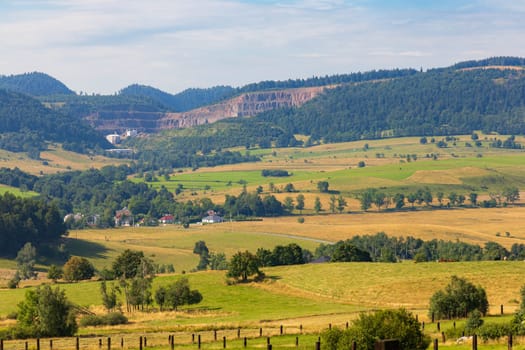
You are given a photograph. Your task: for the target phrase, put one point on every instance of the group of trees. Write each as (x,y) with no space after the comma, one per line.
(24,220)
(382,199)
(382,248)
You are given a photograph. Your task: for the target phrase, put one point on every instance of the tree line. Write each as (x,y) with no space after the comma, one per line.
(382,248)
(25,220)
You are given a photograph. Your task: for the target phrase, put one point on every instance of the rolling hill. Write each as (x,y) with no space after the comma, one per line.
(34,84)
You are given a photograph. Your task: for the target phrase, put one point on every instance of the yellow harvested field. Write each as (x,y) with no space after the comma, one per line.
(449,177)
(467,225)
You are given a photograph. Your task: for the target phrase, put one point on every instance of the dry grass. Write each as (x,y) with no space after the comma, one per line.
(468,225)
(408,285)
(58,160)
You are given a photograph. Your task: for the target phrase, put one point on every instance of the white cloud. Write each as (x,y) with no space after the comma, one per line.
(104,45)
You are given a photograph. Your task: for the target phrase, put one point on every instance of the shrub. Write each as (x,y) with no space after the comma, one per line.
(110,319)
(77,268)
(494,331)
(300,220)
(384,324)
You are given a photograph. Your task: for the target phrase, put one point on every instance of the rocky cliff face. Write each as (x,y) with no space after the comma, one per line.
(248,104)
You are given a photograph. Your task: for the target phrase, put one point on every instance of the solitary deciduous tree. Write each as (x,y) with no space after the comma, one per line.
(384,324)
(25,261)
(243,265)
(77,268)
(459,298)
(177,294)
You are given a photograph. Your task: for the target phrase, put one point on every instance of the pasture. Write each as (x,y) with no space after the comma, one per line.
(55,159)
(401,164)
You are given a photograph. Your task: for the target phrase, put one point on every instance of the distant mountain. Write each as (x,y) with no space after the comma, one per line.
(26,125)
(34,84)
(184,101)
(190,99)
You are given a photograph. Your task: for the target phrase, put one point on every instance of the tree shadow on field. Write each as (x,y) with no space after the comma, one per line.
(86,249)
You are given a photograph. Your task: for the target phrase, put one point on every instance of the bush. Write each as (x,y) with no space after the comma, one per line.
(494,331)
(300,220)
(458,298)
(384,324)
(56,315)
(77,268)
(110,319)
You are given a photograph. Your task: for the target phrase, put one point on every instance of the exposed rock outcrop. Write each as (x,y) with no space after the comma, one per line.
(247,104)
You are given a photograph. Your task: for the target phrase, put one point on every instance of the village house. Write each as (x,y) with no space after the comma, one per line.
(212,218)
(167,219)
(123,217)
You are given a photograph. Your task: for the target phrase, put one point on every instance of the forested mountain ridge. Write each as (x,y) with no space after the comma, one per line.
(34,84)
(437,102)
(26,125)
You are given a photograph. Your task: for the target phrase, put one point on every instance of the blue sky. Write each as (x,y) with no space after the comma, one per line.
(102,46)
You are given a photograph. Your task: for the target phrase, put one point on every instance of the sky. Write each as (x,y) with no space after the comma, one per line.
(102,46)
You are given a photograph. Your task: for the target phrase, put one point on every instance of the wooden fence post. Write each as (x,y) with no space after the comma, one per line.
(193,338)
(281,330)
(224,342)
(199,341)
(140,343)
(37,343)
(238,332)
(346,325)
(443,337)
(301,328)
(109,343)
(354,345)
(51,344)
(1,344)
(215,334)
(317,345)
(260,332)
(438,326)
(245,342)
(296,341)
(509,342)
(269,347)
(77,344)
(501,309)
(172,343)
(145,341)
(27,345)
(433,317)
(436,347)
(330,326)
(267,340)
(100,343)
(122,342)
(474,342)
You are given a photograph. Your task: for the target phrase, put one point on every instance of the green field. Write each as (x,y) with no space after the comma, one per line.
(457,167)
(174,245)
(312,295)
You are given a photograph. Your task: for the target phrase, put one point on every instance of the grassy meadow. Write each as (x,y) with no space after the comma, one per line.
(312,295)
(53,160)
(458,167)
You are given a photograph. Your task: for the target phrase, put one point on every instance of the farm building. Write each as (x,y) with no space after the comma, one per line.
(212,219)
(167,219)
(123,217)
